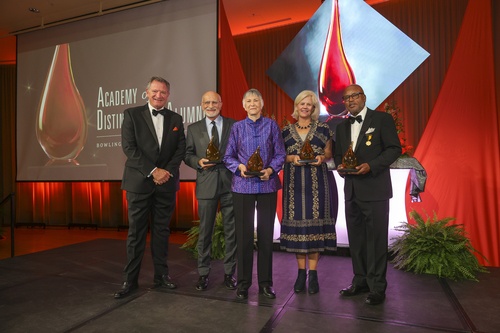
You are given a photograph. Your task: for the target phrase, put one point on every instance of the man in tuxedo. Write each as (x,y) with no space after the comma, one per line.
(367,191)
(153,141)
(213,187)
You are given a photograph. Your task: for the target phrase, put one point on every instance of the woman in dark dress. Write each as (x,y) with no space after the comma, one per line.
(310,198)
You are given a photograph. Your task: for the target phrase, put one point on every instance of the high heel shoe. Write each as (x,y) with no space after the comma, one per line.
(313,282)
(300,283)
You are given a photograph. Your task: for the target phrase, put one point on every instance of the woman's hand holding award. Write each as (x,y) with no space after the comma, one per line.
(307,153)
(255,164)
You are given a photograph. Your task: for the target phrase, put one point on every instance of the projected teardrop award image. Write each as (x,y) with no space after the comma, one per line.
(61,122)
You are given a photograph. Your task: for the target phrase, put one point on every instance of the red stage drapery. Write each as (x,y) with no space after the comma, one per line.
(432,24)
(460,146)
(233,83)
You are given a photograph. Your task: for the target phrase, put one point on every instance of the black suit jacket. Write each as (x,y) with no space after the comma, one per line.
(140,145)
(384,149)
(207,180)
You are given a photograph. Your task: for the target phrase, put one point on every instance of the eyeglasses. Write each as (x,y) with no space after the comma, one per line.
(351,96)
(207,103)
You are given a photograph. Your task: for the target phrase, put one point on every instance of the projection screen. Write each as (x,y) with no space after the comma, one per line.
(75,80)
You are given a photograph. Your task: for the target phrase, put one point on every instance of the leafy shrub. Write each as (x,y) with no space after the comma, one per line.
(434,247)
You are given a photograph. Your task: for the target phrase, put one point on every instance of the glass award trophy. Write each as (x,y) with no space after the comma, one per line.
(307,153)
(255,164)
(213,153)
(349,161)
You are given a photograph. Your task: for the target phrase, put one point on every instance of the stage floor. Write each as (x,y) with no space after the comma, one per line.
(70,289)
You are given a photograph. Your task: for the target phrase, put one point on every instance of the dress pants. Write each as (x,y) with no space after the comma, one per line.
(158,205)
(245,207)
(367,230)
(207,210)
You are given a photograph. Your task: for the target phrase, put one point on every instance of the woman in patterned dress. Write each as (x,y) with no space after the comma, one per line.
(310,201)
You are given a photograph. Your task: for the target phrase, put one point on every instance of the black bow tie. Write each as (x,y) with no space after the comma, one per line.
(162,112)
(359,119)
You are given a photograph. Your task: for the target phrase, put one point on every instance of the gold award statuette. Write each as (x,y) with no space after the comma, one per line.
(213,153)
(307,153)
(255,164)
(349,161)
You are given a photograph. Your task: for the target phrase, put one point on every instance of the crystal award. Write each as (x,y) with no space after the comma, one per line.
(307,153)
(349,161)
(213,153)
(255,164)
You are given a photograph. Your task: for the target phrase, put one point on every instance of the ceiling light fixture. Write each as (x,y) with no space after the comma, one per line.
(34,10)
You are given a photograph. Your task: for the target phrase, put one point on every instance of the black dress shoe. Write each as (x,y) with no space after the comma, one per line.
(229,281)
(242,293)
(375,298)
(353,290)
(267,291)
(202,283)
(126,290)
(164,281)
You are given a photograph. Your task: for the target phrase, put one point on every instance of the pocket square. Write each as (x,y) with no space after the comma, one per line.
(175,129)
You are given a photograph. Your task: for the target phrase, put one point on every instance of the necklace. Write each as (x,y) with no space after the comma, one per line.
(302,127)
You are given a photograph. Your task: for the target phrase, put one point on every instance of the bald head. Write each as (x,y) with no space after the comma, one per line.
(354,99)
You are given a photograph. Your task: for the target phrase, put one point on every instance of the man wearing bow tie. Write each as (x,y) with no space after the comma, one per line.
(153,141)
(367,191)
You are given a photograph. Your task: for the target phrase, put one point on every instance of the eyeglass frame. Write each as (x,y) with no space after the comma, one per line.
(354,96)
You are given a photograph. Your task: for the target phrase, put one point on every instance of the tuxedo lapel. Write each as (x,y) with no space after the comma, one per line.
(347,126)
(167,121)
(366,125)
(149,122)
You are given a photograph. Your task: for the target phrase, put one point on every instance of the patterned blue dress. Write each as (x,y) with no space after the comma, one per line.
(310,201)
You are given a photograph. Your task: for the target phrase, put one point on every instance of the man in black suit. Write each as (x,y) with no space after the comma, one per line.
(153,141)
(213,187)
(367,191)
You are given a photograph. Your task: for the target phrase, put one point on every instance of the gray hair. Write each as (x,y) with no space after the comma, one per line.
(253,91)
(159,79)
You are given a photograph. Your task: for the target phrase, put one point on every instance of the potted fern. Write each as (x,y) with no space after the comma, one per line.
(218,242)
(434,247)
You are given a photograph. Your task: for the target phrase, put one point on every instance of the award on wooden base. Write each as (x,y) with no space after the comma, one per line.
(213,154)
(255,164)
(349,161)
(307,153)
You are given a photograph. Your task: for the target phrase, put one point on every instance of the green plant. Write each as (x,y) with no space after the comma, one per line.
(434,247)
(218,241)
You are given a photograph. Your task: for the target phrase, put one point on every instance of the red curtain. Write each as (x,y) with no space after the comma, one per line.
(470,152)
(460,146)
(257,52)
(233,83)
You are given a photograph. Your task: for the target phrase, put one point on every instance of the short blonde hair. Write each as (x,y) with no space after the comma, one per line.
(315,101)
